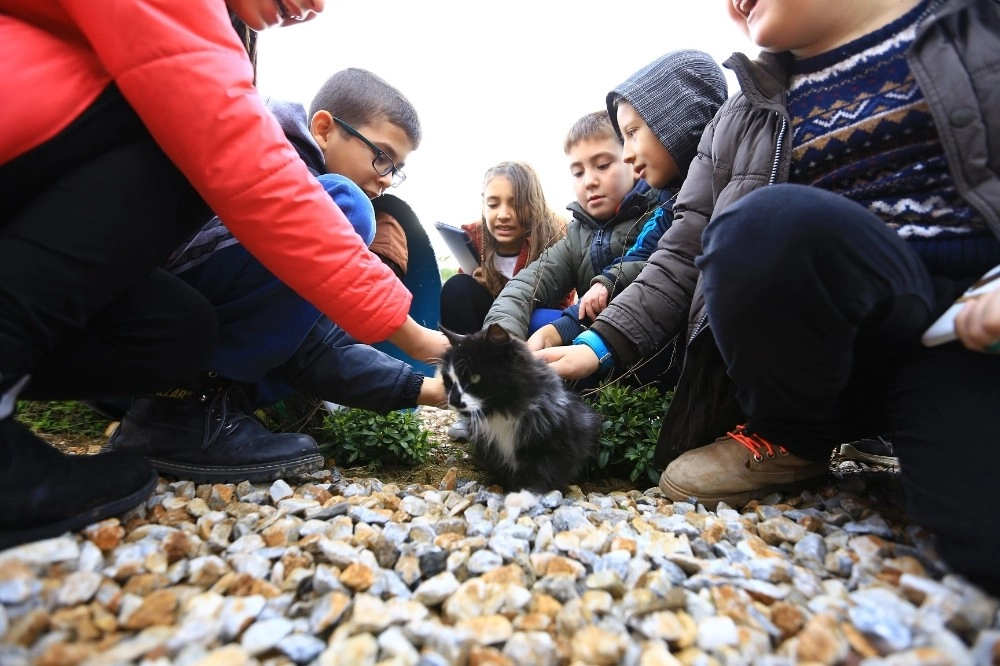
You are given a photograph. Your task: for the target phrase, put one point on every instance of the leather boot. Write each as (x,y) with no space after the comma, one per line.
(736,469)
(211,437)
(44,493)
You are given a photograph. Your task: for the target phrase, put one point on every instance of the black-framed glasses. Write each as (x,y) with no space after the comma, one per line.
(382,163)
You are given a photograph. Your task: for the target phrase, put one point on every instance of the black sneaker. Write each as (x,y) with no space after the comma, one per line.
(871,452)
(212,438)
(45,493)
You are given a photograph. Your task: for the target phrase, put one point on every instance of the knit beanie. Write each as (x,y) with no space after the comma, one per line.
(353,202)
(677,95)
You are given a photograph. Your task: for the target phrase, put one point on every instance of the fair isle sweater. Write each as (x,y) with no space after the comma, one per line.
(879,147)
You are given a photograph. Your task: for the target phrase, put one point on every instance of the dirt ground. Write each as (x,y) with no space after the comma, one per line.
(450,462)
(445,457)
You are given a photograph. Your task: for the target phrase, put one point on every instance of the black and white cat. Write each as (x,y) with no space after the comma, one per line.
(527,429)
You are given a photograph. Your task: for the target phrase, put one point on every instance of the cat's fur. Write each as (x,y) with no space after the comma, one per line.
(527,429)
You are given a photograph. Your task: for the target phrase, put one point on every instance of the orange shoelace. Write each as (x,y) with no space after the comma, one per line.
(756,443)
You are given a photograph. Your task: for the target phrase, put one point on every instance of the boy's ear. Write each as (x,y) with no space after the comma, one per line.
(320,126)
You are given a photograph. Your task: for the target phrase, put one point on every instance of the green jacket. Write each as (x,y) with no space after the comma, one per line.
(570,263)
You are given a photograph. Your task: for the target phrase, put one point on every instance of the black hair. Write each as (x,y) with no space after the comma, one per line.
(249,39)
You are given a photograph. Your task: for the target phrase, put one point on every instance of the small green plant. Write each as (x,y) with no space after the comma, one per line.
(630,430)
(356,437)
(67,418)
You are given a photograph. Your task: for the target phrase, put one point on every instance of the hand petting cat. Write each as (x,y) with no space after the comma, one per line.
(546,336)
(570,362)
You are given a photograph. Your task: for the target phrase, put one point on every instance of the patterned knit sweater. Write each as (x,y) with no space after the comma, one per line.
(862,128)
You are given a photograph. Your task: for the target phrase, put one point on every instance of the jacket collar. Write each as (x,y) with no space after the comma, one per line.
(638,201)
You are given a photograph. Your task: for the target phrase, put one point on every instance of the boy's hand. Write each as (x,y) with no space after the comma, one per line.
(571,361)
(593,302)
(545,337)
(421,343)
(432,392)
(978,324)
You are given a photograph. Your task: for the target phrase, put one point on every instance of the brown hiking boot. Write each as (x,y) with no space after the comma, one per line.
(736,469)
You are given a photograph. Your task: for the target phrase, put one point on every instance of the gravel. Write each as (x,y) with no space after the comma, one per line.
(334,569)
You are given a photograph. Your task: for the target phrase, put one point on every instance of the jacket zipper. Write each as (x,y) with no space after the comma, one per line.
(697,327)
(777,151)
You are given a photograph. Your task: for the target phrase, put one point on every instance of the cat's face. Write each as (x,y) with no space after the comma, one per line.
(483,372)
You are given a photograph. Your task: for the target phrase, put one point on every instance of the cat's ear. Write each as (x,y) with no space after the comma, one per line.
(497,334)
(453,338)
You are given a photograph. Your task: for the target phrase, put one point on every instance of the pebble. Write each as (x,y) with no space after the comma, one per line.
(354,571)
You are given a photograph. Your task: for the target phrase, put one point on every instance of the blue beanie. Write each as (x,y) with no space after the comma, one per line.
(353,202)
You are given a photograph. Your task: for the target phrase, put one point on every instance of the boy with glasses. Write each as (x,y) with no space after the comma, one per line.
(272,342)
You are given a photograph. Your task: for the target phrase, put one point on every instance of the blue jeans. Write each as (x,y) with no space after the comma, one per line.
(817,307)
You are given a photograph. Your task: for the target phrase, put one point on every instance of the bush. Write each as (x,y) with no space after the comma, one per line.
(630,430)
(356,437)
(67,418)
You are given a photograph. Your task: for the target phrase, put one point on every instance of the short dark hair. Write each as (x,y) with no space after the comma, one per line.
(359,97)
(596,125)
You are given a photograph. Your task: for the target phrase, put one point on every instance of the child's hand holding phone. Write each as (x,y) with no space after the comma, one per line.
(973,319)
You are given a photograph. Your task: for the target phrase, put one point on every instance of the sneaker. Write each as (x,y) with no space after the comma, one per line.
(871,452)
(459,430)
(736,469)
(45,493)
(212,438)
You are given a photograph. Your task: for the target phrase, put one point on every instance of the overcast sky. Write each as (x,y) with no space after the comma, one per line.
(491,81)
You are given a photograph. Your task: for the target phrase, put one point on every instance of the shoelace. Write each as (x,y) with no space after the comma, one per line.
(756,443)
(220,400)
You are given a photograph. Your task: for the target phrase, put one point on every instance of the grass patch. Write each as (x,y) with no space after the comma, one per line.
(66,419)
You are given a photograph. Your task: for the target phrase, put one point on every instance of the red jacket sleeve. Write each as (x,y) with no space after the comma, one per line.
(182,68)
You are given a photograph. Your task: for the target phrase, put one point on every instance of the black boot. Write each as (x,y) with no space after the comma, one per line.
(211,438)
(44,493)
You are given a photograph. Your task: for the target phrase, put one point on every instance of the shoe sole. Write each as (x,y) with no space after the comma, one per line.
(255,473)
(116,507)
(848,452)
(737,500)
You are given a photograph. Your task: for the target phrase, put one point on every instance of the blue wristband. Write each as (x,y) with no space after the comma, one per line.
(596,344)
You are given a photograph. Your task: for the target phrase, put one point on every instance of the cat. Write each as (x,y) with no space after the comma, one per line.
(527,429)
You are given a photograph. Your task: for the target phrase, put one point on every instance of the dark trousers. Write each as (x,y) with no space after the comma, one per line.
(817,307)
(464,304)
(85,221)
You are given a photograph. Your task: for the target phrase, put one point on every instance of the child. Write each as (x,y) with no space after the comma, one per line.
(92,206)
(615,210)
(835,209)
(270,337)
(517,225)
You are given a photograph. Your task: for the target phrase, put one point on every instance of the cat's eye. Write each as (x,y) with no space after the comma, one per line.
(474,379)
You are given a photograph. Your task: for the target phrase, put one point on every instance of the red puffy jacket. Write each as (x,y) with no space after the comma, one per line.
(182,68)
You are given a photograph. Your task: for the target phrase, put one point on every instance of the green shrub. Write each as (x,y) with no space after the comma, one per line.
(66,418)
(630,430)
(356,437)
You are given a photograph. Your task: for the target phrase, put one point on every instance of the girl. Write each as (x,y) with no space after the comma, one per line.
(517,225)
